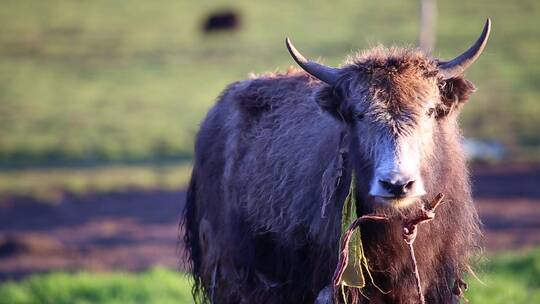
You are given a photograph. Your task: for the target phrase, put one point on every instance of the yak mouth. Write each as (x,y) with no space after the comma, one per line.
(398,202)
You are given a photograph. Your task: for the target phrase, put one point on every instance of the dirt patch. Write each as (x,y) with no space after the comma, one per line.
(11,245)
(131,230)
(134,230)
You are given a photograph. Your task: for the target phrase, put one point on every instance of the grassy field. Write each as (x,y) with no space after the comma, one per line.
(86,82)
(155,286)
(49,184)
(510,278)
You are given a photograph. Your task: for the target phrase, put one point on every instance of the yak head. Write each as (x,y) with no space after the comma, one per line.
(395,102)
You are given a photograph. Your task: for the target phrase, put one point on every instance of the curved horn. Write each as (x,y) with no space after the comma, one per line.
(458,65)
(319,71)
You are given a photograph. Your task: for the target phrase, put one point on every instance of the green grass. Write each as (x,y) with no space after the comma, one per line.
(510,278)
(49,184)
(155,286)
(124,81)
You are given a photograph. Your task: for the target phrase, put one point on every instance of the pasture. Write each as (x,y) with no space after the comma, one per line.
(99,82)
(100,102)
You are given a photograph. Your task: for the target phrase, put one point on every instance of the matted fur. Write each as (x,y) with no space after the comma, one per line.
(273,163)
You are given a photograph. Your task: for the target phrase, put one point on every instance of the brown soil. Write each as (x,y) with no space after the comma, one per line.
(134,230)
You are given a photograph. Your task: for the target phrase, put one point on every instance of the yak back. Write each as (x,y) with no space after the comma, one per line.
(271,177)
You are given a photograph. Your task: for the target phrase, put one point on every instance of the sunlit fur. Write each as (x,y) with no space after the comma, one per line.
(273,164)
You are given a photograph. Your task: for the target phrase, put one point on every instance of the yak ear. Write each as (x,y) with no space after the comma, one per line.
(454,93)
(329,99)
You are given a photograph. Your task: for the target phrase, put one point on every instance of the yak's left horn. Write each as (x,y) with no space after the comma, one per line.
(324,73)
(457,66)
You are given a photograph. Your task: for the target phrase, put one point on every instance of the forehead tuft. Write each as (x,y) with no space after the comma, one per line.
(393,60)
(397,77)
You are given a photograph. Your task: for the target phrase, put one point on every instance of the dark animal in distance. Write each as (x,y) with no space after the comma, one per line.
(273,164)
(228,20)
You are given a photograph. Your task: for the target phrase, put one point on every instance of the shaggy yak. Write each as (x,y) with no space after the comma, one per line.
(274,160)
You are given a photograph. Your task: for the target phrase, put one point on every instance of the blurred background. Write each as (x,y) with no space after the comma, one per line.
(100,102)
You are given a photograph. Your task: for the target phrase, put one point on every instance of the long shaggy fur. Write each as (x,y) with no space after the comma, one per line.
(273,163)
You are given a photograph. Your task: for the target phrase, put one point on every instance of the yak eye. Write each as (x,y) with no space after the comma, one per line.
(359,116)
(430,112)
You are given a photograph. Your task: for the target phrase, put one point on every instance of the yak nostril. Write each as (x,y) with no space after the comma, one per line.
(386,185)
(409,185)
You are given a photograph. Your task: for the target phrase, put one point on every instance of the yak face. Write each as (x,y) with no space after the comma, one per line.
(390,111)
(396,102)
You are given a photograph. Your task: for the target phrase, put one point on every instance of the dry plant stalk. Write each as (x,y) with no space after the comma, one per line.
(344,253)
(410,230)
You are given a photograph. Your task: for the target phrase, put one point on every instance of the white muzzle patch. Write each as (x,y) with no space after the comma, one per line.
(397,177)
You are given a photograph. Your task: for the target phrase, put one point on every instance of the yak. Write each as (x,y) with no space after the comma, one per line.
(274,160)
(221,21)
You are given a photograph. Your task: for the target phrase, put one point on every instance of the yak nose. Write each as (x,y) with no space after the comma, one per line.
(397,185)
(397,188)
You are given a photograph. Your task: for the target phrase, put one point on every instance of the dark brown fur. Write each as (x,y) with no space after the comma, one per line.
(273,162)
